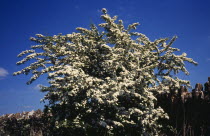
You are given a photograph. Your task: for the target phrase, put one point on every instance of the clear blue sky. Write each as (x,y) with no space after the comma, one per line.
(21,19)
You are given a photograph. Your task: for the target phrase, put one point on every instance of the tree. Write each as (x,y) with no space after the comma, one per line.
(105,81)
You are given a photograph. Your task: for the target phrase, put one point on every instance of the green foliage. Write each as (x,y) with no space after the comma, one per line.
(24,124)
(103,82)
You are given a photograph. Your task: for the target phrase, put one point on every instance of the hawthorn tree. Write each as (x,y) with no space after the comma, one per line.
(105,81)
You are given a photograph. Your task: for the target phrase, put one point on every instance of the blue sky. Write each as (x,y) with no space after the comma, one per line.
(21,19)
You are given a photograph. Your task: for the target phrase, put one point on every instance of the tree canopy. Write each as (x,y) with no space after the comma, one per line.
(105,80)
